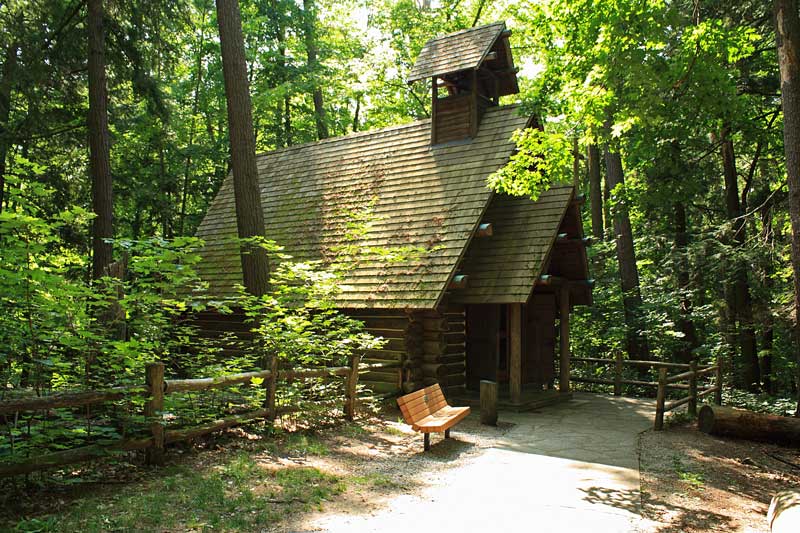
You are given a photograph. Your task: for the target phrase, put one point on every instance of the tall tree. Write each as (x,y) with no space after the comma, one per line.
(788,43)
(310,38)
(595,191)
(741,306)
(99,150)
(637,345)
(249,216)
(9,65)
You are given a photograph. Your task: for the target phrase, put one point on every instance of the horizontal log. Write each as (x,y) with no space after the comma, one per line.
(440,370)
(680,377)
(383,376)
(182,385)
(314,373)
(706,370)
(370,366)
(634,362)
(398,345)
(75,455)
(176,435)
(455,337)
(706,392)
(727,421)
(434,347)
(445,359)
(69,399)
(592,380)
(387,355)
(452,349)
(432,335)
(388,333)
(677,403)
(639,383)
(435,324)
(380,387)
(654,364)
(455,380)
(591,360)
(386,323)
(410,386)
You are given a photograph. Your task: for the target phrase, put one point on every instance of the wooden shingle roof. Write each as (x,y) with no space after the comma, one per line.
(455,52)
(504,267)
(399,211)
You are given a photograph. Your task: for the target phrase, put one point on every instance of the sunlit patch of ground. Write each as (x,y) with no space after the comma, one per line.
(693,482)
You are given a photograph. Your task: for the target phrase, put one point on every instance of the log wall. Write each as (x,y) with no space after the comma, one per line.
(430,345)
(444,343)
(403,334)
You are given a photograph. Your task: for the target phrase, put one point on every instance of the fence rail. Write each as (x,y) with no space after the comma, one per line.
(683,381)
(156,388)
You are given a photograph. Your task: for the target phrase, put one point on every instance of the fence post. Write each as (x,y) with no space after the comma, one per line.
(152,410)
(350,387)
(618,373)
(693,388)
(718,384)
(660,397)
(272,388)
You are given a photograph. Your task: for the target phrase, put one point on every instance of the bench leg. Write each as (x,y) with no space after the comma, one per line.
(427,441)
(447,433)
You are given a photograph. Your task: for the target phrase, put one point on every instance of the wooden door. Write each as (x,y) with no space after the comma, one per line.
(483,325)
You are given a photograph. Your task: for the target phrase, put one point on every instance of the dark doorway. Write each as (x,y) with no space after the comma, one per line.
(483,343)
(539,340)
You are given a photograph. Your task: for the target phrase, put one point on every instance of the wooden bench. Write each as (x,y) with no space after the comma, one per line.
(426,411)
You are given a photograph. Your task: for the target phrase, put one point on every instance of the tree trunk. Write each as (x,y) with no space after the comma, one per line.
(310,38)
(595,191)
(762,306)
(743,310)
(788,43)
(249,216)
(99,151)
(6,83)
(637,345)
(356,113)
(685,323)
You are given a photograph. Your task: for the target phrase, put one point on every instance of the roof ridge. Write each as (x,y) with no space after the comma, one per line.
(466,30)
(367,133)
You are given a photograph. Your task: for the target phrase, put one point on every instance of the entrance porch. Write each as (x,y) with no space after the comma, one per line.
(515,345)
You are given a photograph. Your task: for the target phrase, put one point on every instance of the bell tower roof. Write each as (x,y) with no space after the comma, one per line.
(482,48)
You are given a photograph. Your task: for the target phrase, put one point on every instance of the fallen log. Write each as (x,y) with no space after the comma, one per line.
(784,512)
(727,421)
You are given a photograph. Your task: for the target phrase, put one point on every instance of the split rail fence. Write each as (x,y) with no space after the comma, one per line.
(687,380)
(155,389)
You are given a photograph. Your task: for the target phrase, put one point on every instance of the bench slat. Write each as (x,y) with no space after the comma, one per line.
(437,423)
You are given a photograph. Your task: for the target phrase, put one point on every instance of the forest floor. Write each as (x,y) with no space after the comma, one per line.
(251,480)
(693,482)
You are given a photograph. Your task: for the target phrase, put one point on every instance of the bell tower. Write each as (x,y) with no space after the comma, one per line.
(469,71)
